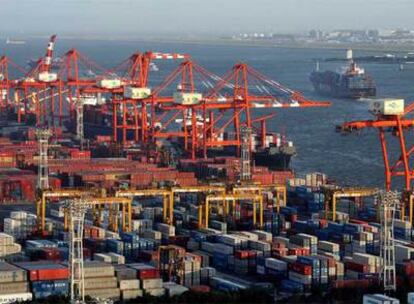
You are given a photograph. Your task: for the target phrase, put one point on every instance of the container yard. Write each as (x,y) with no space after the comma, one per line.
(116,190)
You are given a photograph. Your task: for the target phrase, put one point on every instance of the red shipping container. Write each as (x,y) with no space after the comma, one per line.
(244,254)
(279,252)
(149,255)
(356,267)
(299,251)
(40,271)
(301,268)
(351,284)
(103,138)
(200,288)
(148,273)
(76,154)
(50,254)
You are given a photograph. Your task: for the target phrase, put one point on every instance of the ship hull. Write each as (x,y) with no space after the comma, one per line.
(334,85)
(278,161)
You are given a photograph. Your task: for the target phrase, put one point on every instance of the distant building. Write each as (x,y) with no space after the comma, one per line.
(316,35)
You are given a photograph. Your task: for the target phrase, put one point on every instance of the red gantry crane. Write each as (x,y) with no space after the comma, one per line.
(391,117)
(184,89)
(40,87)
(138,102)
(236,95)
(232,98)
(7,84)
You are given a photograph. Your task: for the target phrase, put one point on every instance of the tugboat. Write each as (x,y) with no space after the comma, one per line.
(353,83)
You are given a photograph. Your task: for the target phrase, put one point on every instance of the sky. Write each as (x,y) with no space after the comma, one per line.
(191,17)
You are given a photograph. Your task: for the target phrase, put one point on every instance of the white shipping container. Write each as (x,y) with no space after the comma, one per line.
(131,294)
(260,245)
(109,83)
(152,234)
(173,289)
(136,93)
(111,235)
(129,284)
(260,269)
(166,229)
(410,298)
(102,257)
(222,248)
(401,224)
(364,258)
(156,292)
(387,106)
(116,258)
(6,239)
(276,264)
(141,225)
(312,239)
(18,215)
(379,299)
(402,253)
(301,278)
(47,76)
(263,235)
(231,240)
(208,247)
(328,246)
(187,98)
(15,297)
(10,249)
(250,235)
(281,240)
(151,283)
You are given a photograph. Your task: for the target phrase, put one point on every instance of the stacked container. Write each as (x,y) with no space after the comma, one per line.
(150,281)
(46,278)
(100,280)
(8,246)
(13,284)
(20,224)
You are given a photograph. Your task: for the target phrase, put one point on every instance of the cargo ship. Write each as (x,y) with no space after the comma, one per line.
(275,157)
(352,83)
(276,154)
(15,41)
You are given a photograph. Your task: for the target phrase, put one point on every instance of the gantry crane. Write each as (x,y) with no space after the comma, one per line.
(236,95)
(225,200)
(279,192)
(332,194)
(167,196)
(42,86)
(6,83)
(45,195)
(82,78)
(394,120)
(138,103)
(112,204)
(189,82)
(396,125)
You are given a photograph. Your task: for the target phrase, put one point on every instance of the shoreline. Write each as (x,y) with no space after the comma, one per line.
(263,44)
(374,48)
